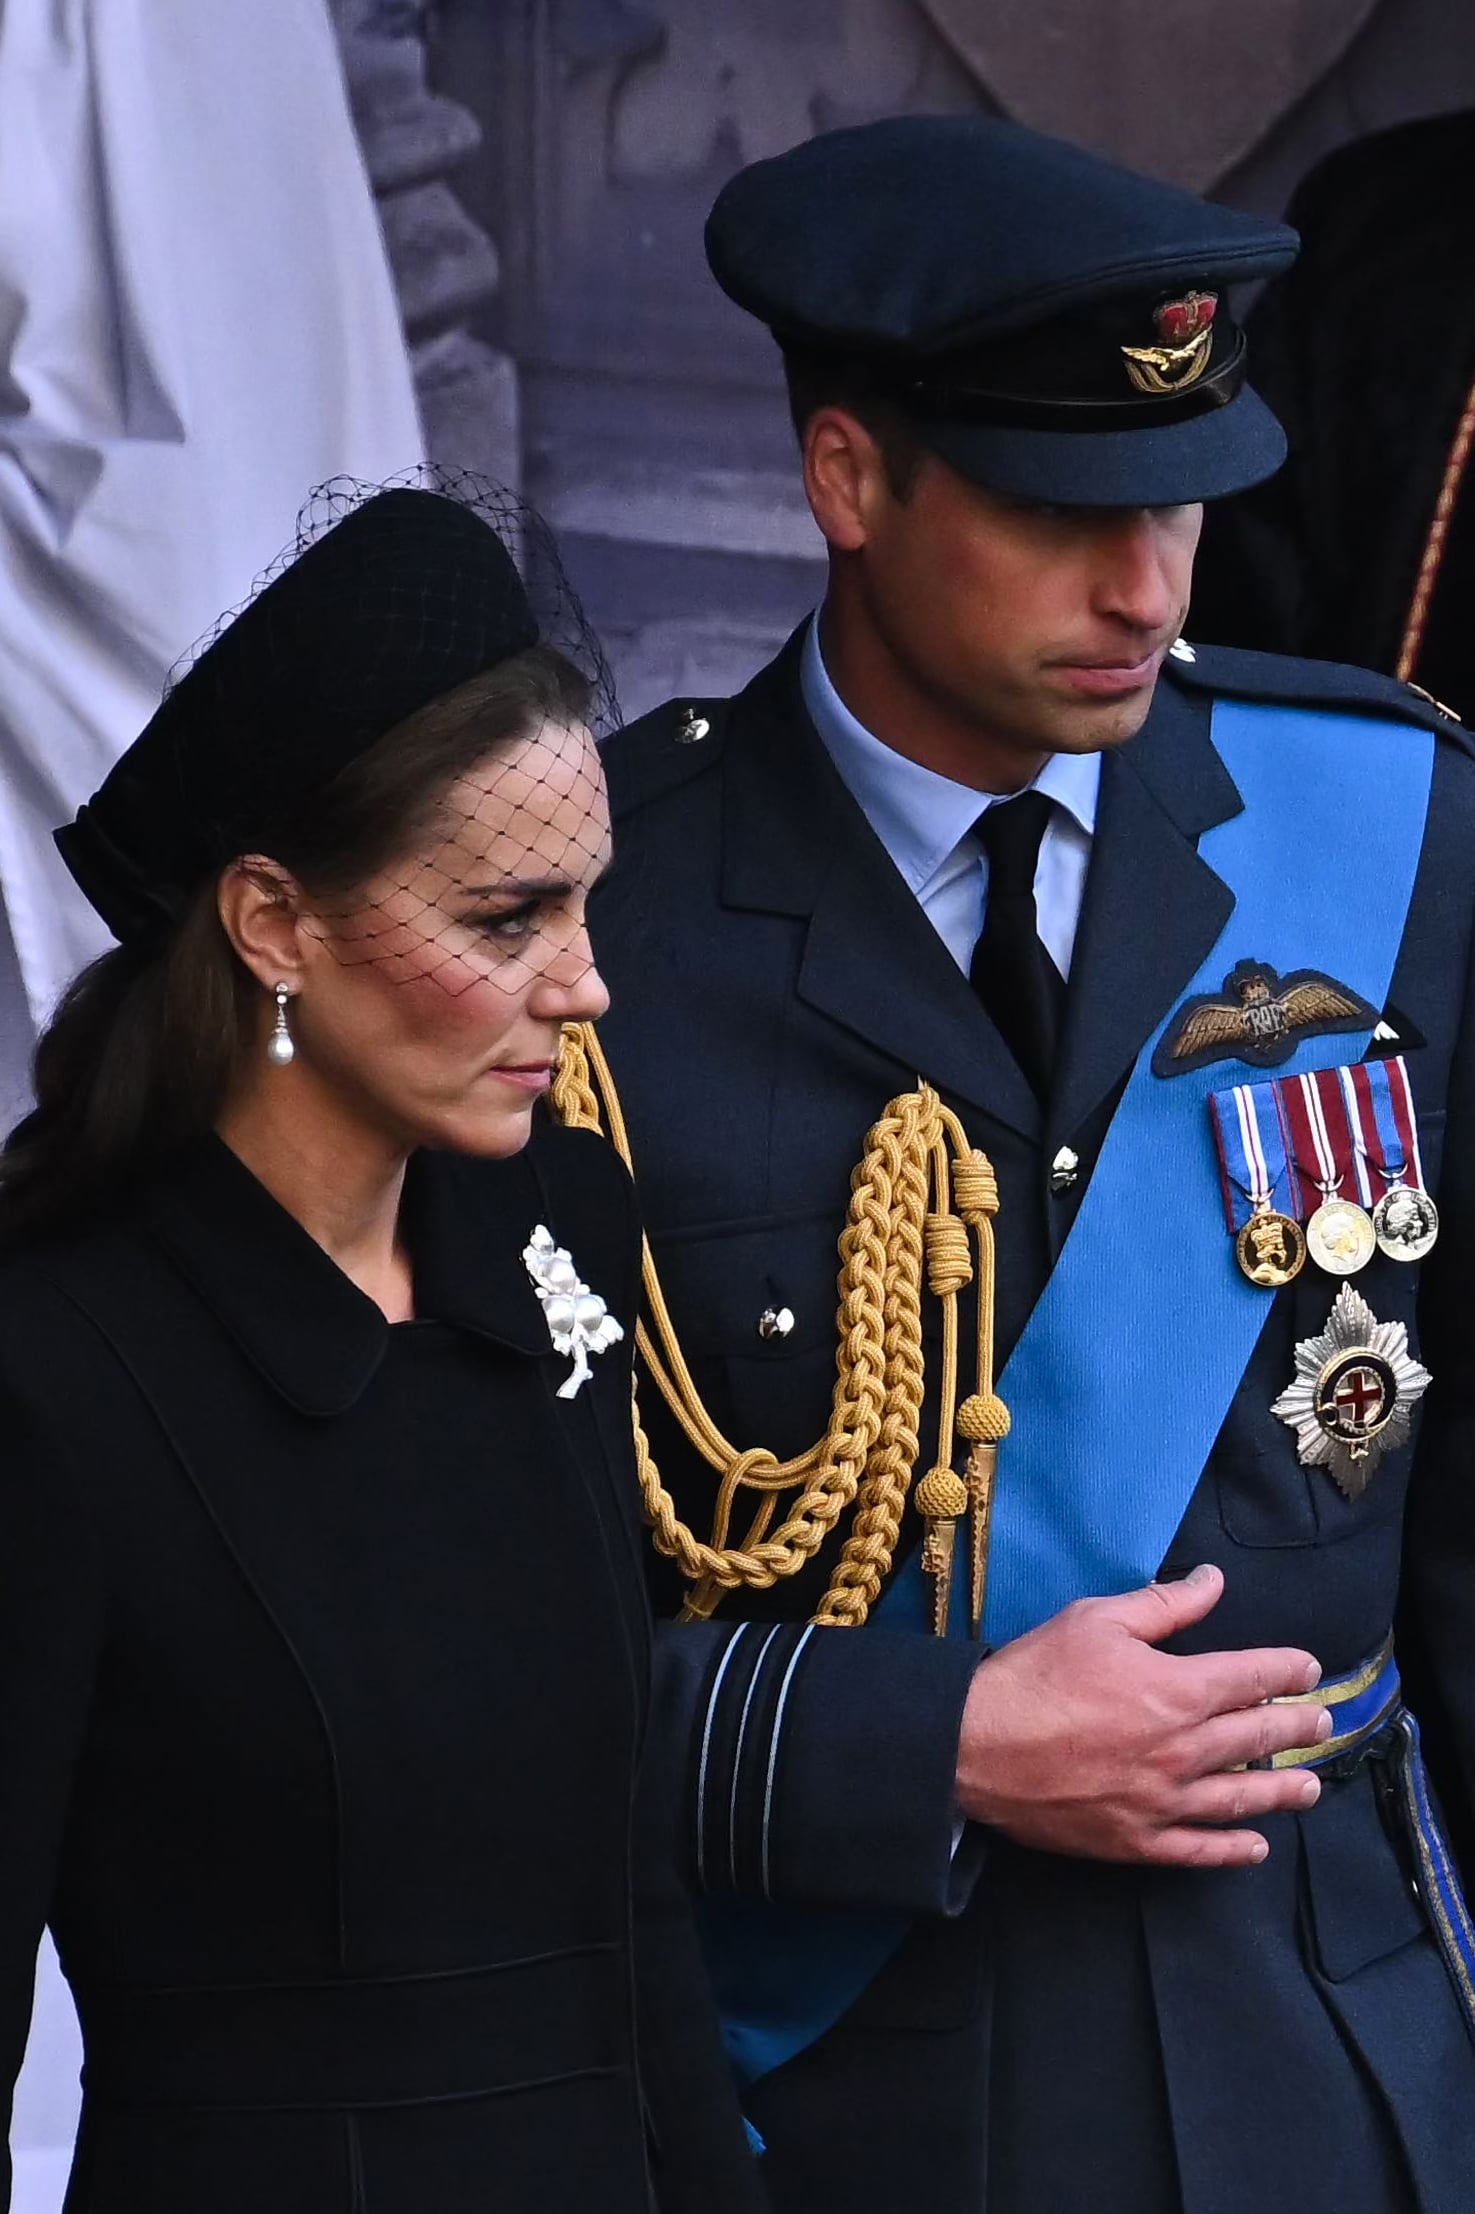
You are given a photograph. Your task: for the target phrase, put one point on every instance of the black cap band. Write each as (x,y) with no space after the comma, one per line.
(970,403)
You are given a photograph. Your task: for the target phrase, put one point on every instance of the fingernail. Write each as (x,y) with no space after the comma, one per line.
(1201,1574)
(1313,1675)
(1310,1791)
(1259,1850)
(1324,1725)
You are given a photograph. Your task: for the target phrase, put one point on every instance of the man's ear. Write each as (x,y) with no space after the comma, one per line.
(844,477)
(260,913)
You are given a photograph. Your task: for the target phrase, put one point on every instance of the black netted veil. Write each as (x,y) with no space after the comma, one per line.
(389,597)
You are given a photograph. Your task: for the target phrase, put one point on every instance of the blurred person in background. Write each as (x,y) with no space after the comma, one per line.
(197,321)
(1362,548)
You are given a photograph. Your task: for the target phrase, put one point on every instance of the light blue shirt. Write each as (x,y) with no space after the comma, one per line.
(926,823)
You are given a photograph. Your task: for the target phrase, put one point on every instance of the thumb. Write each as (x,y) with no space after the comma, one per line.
(1160,1610)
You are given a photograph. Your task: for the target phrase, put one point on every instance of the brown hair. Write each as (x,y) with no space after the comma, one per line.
(139,1057)
(821,380)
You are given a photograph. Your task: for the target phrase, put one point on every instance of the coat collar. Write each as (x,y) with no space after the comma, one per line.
(795,842)
(1153,907)
(315,1337)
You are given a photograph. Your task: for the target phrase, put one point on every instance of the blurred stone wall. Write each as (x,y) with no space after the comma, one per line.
(445,264)
(545,166)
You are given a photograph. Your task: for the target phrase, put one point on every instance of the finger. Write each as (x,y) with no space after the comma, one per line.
(1190,1848)
(1248,1796)
(1231,1740)
(1160,1610)
(1227,1683)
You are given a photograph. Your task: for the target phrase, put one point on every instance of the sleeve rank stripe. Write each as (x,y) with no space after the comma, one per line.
(778,1723)
(737,1758)
(712,1699)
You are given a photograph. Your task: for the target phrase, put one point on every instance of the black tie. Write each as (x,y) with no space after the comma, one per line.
(1012,973)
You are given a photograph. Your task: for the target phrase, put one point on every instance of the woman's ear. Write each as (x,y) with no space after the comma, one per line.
(260,914)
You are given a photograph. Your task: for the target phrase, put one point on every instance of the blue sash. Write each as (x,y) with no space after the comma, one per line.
(1125,1371)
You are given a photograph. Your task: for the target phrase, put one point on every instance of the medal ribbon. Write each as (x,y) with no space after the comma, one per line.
(1381,1106)
(1322,1151)
(1256,1172)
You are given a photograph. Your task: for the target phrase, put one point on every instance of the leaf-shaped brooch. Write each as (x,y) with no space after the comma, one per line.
(578,1320)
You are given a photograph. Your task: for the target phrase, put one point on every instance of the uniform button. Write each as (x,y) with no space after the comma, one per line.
(775,1322)
(692,728)
(1064,1170)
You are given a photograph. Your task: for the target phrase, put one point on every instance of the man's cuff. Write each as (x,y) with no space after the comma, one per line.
(826,1765)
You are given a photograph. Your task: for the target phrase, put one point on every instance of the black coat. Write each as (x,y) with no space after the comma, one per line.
(1366,351)
(1080,2035)
(324,1671)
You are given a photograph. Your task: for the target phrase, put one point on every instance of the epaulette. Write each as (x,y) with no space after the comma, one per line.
(1336,684)
(663,749)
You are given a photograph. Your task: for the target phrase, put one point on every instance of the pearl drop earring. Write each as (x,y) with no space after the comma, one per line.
(279,1047)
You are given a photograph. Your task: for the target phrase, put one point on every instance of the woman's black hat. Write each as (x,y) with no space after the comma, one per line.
(411,594)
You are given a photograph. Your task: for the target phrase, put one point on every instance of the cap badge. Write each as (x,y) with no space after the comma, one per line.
(1353,1395)
(1185,331)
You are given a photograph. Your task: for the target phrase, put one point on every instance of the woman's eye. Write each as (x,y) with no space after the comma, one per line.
(510,927)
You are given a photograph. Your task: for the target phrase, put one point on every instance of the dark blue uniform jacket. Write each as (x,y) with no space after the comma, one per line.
(1053,2034)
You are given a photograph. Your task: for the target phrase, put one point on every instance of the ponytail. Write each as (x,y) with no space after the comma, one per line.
(135,1064)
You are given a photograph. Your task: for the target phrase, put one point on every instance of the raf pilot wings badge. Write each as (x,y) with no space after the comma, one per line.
(1260,1017)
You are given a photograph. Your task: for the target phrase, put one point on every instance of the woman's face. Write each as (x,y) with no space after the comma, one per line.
(431,1001)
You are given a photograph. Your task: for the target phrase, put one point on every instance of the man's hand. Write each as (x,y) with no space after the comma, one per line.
(1079,1738)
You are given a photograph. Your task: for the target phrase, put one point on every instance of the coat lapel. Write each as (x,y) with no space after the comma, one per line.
(1153,909)
(796,843)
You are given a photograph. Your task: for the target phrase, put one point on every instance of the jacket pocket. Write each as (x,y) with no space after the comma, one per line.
(1360,1899)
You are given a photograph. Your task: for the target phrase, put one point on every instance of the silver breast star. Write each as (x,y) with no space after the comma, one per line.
(1353,1395)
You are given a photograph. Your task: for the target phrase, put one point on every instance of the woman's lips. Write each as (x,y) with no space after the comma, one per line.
(533,1077)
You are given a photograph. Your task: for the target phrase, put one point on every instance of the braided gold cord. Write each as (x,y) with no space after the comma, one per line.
(869,1549)
(890,1246)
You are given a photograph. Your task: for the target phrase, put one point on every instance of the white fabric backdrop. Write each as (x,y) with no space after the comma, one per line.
(197,324)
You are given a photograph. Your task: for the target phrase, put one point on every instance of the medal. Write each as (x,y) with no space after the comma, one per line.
(1405,1223)
(1271,1249)
(1261,1196)
(1353,1394)
(1340,1237)
(1381,1109)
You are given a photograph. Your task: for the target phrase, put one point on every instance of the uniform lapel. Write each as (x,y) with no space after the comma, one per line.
(796,843)
(1153,909)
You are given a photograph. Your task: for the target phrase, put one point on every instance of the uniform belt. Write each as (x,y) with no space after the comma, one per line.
(358,2042)
(1361,1703)
(1373,1724)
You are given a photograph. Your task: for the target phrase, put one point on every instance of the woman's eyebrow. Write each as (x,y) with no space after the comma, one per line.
(529,887)
(519,887)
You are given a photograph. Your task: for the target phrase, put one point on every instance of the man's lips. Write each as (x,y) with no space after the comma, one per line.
(1108,679)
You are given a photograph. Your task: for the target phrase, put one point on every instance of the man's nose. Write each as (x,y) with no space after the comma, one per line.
(1138,581)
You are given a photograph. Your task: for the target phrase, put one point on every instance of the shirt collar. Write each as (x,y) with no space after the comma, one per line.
(298,1319)
(919,816)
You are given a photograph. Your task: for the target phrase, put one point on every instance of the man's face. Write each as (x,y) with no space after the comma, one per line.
(1045,626)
